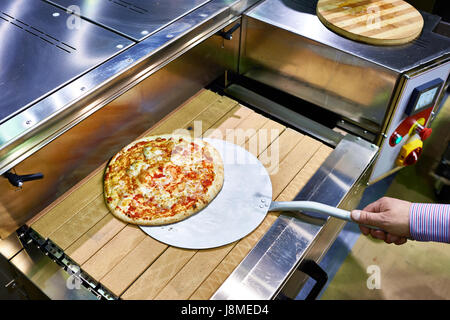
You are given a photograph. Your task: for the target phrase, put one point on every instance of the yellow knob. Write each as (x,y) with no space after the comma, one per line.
(410,146)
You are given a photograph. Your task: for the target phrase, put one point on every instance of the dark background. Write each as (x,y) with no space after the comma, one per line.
(436,7)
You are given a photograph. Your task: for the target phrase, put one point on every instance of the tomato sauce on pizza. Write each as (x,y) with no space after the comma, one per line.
(162,179)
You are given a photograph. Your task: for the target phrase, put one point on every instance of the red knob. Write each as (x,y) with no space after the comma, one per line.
(425,133)
(412,157)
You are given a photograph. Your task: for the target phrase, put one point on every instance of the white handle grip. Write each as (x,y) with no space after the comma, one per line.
(310,206)
(314,207)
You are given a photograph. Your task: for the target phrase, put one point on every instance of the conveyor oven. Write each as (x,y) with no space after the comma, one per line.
(81,79)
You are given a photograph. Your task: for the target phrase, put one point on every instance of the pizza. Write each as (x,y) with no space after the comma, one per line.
(162,179)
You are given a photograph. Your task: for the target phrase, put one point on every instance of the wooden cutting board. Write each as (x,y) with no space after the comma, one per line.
(378,22)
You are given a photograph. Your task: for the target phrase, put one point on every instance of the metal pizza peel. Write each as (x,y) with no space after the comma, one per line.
(238,209)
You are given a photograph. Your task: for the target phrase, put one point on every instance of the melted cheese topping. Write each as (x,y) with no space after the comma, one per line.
(159,178)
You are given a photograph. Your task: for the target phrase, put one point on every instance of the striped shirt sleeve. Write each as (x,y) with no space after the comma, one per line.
(430,222)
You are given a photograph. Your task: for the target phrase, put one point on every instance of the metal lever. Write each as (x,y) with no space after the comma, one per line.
(228,35)
(18,180)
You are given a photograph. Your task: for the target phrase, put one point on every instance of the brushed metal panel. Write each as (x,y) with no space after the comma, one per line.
(340,82)
(352,79)
(32,129)
(82,149)
(329,232)
(133,18)
(300,18)
(10,246)
(39,53)
(47,276)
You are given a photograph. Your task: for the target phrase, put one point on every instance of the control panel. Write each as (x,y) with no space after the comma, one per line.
(408,128)
(418,111)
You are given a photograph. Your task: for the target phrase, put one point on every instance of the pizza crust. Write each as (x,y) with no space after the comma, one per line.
(211,193)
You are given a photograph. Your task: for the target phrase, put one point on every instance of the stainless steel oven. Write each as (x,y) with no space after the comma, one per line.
(82,79)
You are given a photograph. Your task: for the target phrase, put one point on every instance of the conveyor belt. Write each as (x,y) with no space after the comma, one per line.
(134,266)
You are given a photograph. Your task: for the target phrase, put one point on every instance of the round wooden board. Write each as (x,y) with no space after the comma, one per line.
(379,22)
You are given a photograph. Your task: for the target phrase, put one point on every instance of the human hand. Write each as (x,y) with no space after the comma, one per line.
(390,215)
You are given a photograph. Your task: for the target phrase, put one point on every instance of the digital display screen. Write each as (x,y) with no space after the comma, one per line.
(426,98)
(423,96)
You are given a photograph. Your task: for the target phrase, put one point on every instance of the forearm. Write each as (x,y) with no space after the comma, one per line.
(430,222)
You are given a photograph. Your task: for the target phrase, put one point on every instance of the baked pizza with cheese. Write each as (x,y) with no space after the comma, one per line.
(162,179)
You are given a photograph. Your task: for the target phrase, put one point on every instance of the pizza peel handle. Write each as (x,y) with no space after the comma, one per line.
(314,207)
(238,209)
(310,206)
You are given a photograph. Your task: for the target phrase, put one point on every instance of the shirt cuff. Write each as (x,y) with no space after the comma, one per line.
(429,222)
